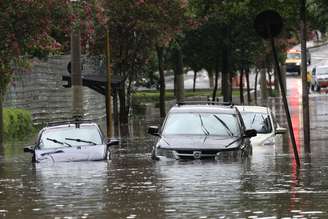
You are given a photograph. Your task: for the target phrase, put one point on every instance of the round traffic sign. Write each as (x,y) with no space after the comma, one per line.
(268,24)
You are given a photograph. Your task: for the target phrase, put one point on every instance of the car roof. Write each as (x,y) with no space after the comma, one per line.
(70,125)
(204,108)
(255,109)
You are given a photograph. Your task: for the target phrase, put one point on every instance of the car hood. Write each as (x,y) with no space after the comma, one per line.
(67,154)
(199,142)
(263,139)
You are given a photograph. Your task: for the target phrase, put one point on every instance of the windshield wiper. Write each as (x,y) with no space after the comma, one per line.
(253,120)
(58,142)
(225,125)
(206,132)
(238,139)
(80,140)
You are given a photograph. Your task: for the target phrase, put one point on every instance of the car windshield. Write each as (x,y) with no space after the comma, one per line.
(293,56)
(201,124)
(70,136)
(322,71)
(259,121)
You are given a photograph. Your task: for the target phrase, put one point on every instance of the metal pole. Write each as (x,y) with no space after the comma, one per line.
(179,76)
(109,89)
(284,99)
(305,86)
(76,73)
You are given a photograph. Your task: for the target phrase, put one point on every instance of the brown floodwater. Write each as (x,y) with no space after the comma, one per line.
(267,185)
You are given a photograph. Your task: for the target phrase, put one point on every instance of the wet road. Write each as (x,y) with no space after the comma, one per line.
(267,185)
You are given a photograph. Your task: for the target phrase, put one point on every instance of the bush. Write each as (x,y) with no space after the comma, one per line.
(17,123)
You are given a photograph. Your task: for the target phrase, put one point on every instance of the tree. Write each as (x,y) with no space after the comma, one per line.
(137,29)
(36,28)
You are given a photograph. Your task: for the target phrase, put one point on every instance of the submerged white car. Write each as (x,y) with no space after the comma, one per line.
(262,120)
(71,141)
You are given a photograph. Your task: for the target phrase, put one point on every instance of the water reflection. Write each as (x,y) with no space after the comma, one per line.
(267,185)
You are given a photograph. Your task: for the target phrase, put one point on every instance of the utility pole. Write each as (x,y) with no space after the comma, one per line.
(76,73)
(179,76)
(268,24)
(108,89)
(305,86)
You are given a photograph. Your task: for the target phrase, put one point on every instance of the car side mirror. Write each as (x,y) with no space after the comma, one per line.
(281,130)
(153,130)
(29,149)
(111,142)
(250,133)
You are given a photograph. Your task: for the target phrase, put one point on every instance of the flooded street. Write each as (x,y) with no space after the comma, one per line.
(267,185)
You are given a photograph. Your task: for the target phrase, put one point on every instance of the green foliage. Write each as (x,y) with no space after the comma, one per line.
(17,123)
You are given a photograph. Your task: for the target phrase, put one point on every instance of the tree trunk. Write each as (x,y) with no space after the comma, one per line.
(210,78)
(226,79)
(179,75)
(129,96)
(215,83)
(161,82)
(115,109)
(276,82)
(249,98)
(305,85)
(1,121)
(194,82)
(123,110)
(255,86)
(241,85)
(264,89)
(270,83)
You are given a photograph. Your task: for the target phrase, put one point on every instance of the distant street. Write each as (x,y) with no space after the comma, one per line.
(319,56)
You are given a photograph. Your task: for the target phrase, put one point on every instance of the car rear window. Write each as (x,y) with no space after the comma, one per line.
(201,124)
(85,133)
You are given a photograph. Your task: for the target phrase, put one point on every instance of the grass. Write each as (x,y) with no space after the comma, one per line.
(17,123)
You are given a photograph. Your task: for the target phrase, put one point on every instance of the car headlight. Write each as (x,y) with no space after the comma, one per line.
(163,152)
(298,63)
(227,154)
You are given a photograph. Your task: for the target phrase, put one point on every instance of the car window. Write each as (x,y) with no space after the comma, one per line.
(259,121)
(293,56)
(85,133)
(202,124)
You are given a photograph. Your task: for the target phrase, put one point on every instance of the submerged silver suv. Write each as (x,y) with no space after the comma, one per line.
(198,131)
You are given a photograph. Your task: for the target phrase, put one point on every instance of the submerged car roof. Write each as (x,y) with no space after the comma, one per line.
(255,109)
(203,108)
(64,125)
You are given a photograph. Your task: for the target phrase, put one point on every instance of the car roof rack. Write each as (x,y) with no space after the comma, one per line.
(77,122)
(229,104)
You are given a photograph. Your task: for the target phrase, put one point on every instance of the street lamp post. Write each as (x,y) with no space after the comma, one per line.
(76,70)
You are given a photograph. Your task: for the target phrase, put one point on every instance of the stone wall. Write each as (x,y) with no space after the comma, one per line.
(40,90)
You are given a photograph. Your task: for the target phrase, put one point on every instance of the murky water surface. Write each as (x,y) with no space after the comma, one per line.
(268,185)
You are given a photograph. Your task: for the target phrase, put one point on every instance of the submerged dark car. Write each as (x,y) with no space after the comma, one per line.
(202,131)
(71,141)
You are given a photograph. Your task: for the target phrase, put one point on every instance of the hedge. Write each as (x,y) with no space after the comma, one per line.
(17,123)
